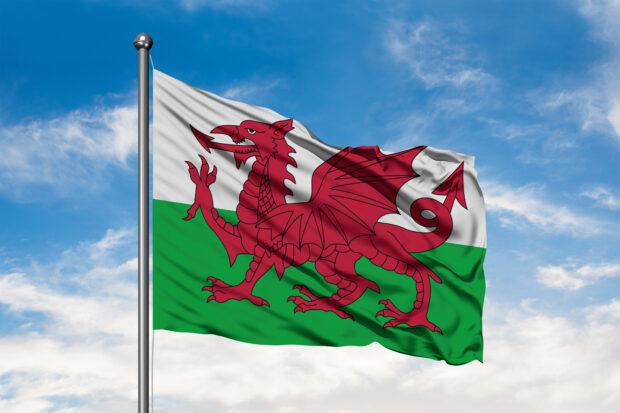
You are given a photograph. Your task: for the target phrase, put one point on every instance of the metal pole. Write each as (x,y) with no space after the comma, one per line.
(143,44)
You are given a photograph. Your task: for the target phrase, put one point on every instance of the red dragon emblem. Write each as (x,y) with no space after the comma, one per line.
(351,191)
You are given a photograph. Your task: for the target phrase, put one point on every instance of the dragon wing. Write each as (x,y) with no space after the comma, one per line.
(350,192)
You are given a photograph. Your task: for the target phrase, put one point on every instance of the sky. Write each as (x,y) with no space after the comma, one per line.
(531,89)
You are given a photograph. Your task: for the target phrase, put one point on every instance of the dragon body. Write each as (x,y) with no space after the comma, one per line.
(337,226)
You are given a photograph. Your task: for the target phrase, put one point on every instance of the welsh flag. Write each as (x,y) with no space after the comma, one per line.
(264,234)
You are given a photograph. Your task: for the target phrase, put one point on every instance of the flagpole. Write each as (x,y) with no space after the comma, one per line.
(143,44)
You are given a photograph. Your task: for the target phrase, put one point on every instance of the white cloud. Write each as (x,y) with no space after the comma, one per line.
(604,197)
(113,238)
(609,311)
(571,277)
(433,56)
(413,128)
(81,356)
(604,16)
(525,207)
(78,333)
(613,116)
(532,363)
(554,276)
(589,103)
(193,5)
(247,90)
(71,312)
(595,100)
(66,153)
(242,373)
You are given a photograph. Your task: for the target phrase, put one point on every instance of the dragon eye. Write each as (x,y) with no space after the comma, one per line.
(251,131)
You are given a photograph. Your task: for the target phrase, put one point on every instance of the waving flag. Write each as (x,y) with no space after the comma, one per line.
(264,234)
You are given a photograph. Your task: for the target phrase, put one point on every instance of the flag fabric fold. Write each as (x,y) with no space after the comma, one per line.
(263,233)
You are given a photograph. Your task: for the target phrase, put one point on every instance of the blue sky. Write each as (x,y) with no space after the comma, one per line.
(531,89)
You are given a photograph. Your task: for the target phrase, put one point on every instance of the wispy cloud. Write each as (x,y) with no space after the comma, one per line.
(113,239)
(593,110)
(613,116)
(572,277)
(247,90)
(526,207)
(603,15)
(434,57)
(193,5)
(604,197)
(594,101)
(438,57)
(65,153)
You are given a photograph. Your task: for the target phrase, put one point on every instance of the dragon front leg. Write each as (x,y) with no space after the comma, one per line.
(222,292)
(227,233)
(339,269)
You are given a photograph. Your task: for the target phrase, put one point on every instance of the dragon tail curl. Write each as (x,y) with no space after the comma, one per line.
(413,241)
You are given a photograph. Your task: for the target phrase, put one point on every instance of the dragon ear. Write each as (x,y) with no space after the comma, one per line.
(282,127)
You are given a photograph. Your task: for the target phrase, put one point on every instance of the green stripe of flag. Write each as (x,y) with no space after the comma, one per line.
(185,253)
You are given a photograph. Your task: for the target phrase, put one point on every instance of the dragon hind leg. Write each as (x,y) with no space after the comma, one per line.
(387,252)
(221,291)
(418,314)
(338,269)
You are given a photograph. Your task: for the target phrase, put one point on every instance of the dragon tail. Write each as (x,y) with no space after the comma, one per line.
(422,241)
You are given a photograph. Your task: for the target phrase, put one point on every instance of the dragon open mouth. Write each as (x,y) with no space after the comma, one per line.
(208,142)
(244,148)
(242,152)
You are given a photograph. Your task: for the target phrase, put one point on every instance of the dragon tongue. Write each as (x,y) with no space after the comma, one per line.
(204,140)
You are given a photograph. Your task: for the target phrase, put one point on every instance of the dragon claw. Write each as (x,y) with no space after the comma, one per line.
(191,212)
(221,292)
(324,303)
(413,318)
(390,323)
(193,172)
(389,307)
(202,180)
(305,291)
(386,313)
(211,177)
(217,283)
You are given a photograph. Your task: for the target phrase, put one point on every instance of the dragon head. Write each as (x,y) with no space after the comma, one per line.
(250,139)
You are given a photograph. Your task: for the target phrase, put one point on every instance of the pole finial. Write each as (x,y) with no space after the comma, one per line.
(143,41)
